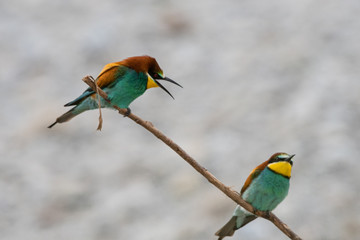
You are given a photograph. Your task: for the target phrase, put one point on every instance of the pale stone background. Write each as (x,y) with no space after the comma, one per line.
(258,76)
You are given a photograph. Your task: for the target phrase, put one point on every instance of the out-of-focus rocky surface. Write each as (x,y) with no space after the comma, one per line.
(258,77)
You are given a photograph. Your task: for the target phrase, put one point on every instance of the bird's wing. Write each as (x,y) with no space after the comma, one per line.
(254,173)
(108,75)
(79,99)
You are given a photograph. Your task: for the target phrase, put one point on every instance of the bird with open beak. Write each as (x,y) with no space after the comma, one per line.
(123,82)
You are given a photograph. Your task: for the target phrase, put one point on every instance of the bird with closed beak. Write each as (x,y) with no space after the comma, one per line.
(266,186)
(123,82)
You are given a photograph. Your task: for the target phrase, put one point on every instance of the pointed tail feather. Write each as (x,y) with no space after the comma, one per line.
(228,229)
(66,116)
(231,226)
(53,124)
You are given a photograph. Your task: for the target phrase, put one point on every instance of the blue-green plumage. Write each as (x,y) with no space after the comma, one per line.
(125,88)
(267,185)
(129,86)
(267,190)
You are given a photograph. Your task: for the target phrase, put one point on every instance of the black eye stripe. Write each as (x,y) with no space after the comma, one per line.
(272,160)
(279,158)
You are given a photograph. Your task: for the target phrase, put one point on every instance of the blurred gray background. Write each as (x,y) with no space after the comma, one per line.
(258,76)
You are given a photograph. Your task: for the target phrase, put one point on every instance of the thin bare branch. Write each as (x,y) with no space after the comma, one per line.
(203,171)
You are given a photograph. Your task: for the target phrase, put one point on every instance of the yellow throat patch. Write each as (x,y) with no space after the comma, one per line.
(282,168)
(150,82)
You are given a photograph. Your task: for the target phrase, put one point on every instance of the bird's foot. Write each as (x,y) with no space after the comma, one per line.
(127,113)
(264,214)
(267,214)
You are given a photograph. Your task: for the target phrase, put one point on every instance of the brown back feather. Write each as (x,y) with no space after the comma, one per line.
(254,173)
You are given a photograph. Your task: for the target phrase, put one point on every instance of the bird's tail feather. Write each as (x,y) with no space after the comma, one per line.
(67,116)
(232,225)
(228,229)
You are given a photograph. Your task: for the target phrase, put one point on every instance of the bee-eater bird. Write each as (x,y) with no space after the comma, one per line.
(123,82)
(266,186)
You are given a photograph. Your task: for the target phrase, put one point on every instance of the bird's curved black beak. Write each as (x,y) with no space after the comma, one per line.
(168,80)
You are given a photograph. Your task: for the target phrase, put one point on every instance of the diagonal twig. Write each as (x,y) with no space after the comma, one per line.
(203,171)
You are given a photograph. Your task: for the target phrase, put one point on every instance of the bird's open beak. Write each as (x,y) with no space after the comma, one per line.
(168,80)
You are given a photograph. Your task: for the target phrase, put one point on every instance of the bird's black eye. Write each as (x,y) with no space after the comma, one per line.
(156,76)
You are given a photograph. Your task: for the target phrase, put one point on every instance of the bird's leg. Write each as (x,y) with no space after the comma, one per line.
(127,113)
(264,214)
(267,214)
